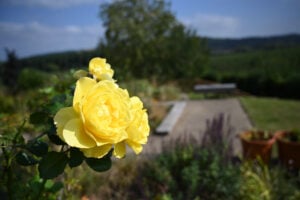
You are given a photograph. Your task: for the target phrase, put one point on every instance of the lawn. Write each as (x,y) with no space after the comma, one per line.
(272,113)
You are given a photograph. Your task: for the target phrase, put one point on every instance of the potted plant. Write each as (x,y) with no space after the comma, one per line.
(289,148)
(257,144)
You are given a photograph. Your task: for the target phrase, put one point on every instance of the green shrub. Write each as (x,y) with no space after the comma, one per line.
(31,79)
(262,182)
(188,172)
(7,104)
(272,72)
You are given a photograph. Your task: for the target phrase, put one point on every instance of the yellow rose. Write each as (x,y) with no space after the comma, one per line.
(100,69)
(138,129)
(103,116)
(98,119)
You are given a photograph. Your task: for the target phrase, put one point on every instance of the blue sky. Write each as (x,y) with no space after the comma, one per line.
(40,26)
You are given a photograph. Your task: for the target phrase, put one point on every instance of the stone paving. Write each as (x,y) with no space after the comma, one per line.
(192,122)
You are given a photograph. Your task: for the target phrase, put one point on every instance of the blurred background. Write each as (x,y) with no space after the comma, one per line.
(252,43)
(39,26)
(159,50)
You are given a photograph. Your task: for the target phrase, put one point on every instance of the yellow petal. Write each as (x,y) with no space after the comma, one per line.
(83,85)
(137,148)
(96,62)
(100,69)
(97,152)
(75,136)
(120,150)
(136,103)
(62,117)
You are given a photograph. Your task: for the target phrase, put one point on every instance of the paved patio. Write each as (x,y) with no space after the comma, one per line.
(192,122)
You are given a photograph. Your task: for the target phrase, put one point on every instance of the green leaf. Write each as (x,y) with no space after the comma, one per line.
(56,187)
(53,137)
(39,118)
(52,186)
(25,159)
(99,165)
(76,157)
(37,147)
(56,103)
(52,164)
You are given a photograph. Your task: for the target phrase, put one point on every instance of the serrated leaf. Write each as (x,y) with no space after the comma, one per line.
(37,147)
(55,139)
(76,157)
(99,164)
(24,159)
(52,135)
(38,118)
(52,164)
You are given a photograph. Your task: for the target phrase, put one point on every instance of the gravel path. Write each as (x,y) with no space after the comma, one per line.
(192,122)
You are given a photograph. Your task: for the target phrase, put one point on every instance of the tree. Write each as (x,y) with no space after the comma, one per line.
(143,39)
(11,70)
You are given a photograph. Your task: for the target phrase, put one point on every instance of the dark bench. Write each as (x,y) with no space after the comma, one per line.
(216,88)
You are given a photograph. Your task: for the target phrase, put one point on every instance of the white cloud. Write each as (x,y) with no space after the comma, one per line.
(35,38)
(52,3)
(212,25)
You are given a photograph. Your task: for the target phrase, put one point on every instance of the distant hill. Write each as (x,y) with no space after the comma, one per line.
(77,59)
(220,46)
(60,61)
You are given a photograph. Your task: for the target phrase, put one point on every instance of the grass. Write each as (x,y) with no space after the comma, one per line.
(272,113)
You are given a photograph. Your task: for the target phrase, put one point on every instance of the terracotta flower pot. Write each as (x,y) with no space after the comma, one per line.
(255,148)
(288,151)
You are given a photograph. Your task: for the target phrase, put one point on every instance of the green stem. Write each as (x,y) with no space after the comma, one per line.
(13,145)
(19,132)
(7,169)
(39,136)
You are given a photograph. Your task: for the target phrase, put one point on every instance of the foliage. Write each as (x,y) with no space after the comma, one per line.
(7,104)
(31,79)
(59,61)
(221,46)
(11,69)
(272,114)
(51,156)
(272,72)
(143,44)
(294,135)
(181,173)
(189,169)
(218,137)
(145,89)
(258,135)
(261,182)
(36,151)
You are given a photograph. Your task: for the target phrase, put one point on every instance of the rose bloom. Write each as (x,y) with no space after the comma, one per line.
(100,69)
(103,116)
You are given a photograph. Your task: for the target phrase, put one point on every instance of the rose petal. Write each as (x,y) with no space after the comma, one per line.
(100,69)
(97,152)
(136,103)
(62,117)
(83,85)
(96,62)
(120,150)
(137,148)
(75,136)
